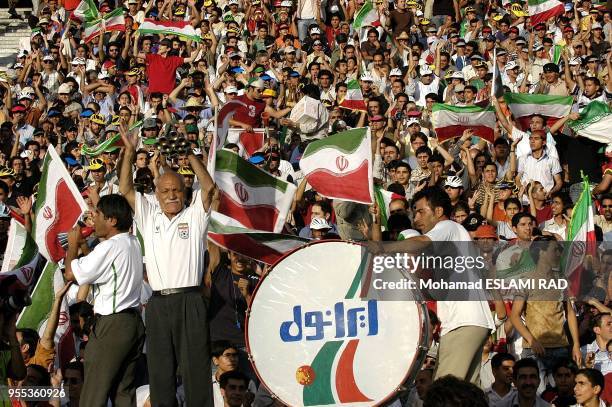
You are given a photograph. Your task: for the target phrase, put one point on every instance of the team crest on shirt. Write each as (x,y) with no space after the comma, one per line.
(183,230)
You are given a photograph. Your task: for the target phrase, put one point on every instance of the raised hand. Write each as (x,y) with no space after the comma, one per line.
(25,204)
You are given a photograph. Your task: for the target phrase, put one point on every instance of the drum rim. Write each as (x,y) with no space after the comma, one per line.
(421,348)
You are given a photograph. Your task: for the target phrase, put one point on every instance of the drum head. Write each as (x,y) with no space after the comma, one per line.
(312,339)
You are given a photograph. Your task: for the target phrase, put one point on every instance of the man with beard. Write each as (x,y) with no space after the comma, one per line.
(249,116)
(604,221)
(526,376)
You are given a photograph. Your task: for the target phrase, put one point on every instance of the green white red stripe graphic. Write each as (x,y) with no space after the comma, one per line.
(340,166)
(594,122)
(260,245)
(58,206)
(383,199)
(367,15)
(250,195)
(451,121)
(180,28)
(523,106)
(581,235)
(85,11)
(541,10)
(114,141)
(113,21)
(354,98)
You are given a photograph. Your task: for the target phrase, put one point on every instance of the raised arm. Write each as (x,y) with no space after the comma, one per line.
(126,182)
(206,182)
(47,339)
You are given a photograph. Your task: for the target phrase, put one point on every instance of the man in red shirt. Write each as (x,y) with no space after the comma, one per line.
(161,68)
(249,116)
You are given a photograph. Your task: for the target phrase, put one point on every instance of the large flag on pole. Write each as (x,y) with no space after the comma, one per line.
(523,106)
(267,247)
(58,207)
(541,10)
(595,123)
(354,98)
(181,28)
(451,121)
(581,238)
(340,166)
(113,21)
(85,11)
(367,15)
(251,196)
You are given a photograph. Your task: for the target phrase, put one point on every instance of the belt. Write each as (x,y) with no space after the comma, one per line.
(133,310)
(172,291)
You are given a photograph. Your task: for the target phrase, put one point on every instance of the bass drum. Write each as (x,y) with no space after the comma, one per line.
(314,338)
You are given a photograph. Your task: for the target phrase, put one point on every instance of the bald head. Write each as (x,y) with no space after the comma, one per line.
(170,193)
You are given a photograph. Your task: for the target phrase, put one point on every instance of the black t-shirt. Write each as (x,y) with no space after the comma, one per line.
(228,306)
(443,8)
(580,154)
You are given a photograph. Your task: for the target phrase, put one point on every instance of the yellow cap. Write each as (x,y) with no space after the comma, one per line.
(269,93)
(7,172)
(95,164)
(185,171)
(98,118)
(424,22)
(498,17)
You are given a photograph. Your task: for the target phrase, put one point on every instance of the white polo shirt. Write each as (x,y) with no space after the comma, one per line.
(541,169)
(114,268)
(174,248)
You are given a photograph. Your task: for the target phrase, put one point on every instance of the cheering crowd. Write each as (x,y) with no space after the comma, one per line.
(158,316)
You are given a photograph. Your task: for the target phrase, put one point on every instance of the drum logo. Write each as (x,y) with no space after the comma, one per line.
(341,163)
(310,326)
(183,230)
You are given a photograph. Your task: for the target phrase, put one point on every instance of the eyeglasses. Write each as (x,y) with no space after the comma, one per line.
(606,206)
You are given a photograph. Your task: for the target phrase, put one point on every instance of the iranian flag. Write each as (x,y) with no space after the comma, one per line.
(541,10)
(259,245)
(340,166)
(594,122)
(249,143)
(180,28)
(367,15)
(222,118)
(58,206)
(251,196)
(113,21)
(523,106)
(581,238)
(114,141)
(383,199)
(85,11)
(451,121)
(354,98)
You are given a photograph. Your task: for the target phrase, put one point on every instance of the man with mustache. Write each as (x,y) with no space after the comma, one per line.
(175,246)
(526,375)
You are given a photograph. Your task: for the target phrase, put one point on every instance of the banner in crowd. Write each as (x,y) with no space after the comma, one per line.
(581,238)
(114,141)
(383,199)
(113,21)
(180,28)
(595,122)
(15,244)
(451,121)
(222,119)
(58,207)
(250,195)
(366,16)
(523,106)
(340,166)
(85,11)
(354,98)
(541,10)
(259,245)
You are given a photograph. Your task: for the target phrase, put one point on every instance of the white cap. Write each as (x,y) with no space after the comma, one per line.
(367,77)
(18,65)
(319,223)
(233,2)
(595,25)
(289,49)
(413,120)
(22,53)
(419,13)
(407,234)
(103,75)
(575,61)
(453,181)
(286,3)
(510,65)
(395,72)
(459,88)
(79,61)
(64,88)
(48,58)
(230,89)
(315,30)
(426,70)
(457,75)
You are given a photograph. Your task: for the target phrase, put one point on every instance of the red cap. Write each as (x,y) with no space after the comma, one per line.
(108,64)
(377,118)
(283,27)
(485,232)
(568,28)
(413,113)
(18,108)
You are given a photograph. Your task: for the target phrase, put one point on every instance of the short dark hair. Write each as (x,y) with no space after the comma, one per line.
(565,363)
(523,363)
(452,391)
(4,186)
(596,378)
(398,222)
(397,189)
(76,365)
(436,197)
(436,158)
(513,200)
(232,375)
(499,358)
(402,164)
(423,149)
(218,347)
(605,196)
(31,338)
(538,244)
(325,206)
(117,207)
(45,378)
(82,309)
(517,218)
(596,320)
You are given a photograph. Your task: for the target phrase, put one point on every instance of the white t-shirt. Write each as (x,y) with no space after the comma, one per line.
(174,248)
(455,314)
(115,268)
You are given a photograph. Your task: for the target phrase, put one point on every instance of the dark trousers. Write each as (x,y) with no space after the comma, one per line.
(114,346)
(178,336)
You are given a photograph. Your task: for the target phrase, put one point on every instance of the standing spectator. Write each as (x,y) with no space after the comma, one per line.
(596,353)
(502,365)
(115,267)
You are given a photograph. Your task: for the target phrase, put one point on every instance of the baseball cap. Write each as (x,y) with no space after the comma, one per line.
(257,83)
(289,50)
(551,67)
(377,118)
(395,72)
(426,70)
(98,118)
(192,128)
(367,77)
(459,88)
(319,224)
(230,89)
(18,109)
(453,181)
(511,65)
(257,159)
(413,121)
(315,30)
(86,113)
(485,232)
(473,221)
(48,58)
(596,26)
(54,113)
